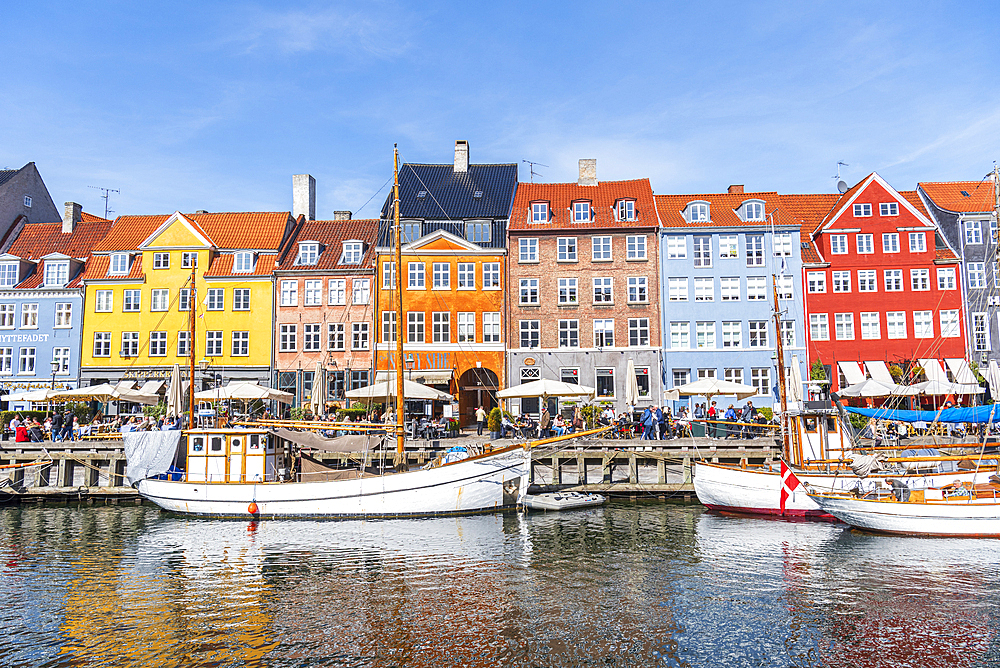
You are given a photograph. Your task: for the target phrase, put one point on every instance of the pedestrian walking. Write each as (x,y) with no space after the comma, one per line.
(481,419)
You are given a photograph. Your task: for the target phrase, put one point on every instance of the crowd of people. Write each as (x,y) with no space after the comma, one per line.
(65,426)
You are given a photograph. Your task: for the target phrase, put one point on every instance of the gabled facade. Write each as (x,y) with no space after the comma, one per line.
(325,308)
(965,212)
(881,283)
(720,257)
(453,220)
(23,199)
(584,286)
(41,301)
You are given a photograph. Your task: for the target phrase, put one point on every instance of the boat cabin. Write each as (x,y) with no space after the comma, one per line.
(231,455)
(817,433)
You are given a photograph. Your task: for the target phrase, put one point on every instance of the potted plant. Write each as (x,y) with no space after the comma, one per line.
(494,422)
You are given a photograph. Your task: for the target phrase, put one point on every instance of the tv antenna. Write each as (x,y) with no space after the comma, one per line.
(841,184)
(532,169)
(105,195)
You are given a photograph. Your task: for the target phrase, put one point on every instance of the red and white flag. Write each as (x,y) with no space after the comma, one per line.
(788,484)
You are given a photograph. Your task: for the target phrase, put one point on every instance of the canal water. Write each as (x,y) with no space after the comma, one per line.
(629,584)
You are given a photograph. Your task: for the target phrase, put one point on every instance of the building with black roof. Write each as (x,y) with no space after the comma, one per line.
(24,199)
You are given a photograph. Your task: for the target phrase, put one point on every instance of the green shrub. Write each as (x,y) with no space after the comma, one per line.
(354,412)
(589,414)
(859,422)
(157,411)
(495,420)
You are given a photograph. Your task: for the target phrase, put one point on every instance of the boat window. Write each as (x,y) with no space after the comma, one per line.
(216,444)
(254,442)
(810,424)
(198,444)
(236,443)
(831,425)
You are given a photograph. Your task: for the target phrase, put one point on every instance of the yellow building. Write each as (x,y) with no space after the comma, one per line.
(138,297)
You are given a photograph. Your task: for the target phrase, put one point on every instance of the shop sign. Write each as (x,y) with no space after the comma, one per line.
(529,361)
(148,373)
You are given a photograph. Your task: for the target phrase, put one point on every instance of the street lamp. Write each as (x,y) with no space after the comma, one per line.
(409,365)
(55,364)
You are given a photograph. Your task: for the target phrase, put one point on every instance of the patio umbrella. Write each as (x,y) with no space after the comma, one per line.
(29,395)
(175,394)
(709,387)
(940,388)
(318,398)
(631,384)
(546,388)
(874,388)
(102,392)
(244,390)
(993,378)
(384,390)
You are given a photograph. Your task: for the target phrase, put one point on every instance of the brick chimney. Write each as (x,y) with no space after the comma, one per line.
(304,196)
(341,215)
(461,155)
(72,214)
(736,190)
(588,172)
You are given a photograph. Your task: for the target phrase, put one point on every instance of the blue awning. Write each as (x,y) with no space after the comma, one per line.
(975,414)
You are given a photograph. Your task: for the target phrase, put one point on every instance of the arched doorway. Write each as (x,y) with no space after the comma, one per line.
(477,386)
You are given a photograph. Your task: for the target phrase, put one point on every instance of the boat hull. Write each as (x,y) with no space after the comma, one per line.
(954,519)
(481,484)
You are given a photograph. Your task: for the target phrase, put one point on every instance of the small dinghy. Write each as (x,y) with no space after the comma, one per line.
(562,501)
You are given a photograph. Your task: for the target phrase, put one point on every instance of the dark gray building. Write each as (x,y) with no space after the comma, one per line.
(24,199)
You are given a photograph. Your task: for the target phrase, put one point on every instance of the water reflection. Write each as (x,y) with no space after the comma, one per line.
(623,585)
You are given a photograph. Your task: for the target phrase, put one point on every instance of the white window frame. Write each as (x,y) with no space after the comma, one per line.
(601,249)
(871,325)
(757,288)
(604,293)
(215,299)
(161,260)
(819,327)
(290,293)
(865,243)
(890,242)
(638,292)
(895,325)
(862,210)
(635,247)
(241,299)
(923,324)
(676,247)
(918,242)
(527,250)
(566,249)
(838,244)
(63,316)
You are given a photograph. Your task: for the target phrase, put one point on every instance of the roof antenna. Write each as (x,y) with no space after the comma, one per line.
(105,195)
(532,169)
(841,185)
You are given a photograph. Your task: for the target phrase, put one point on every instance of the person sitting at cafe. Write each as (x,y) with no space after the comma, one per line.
(35,433)
(21,433)
(506,427)
(559,425)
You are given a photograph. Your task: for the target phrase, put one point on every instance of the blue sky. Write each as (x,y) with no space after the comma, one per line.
(214,105)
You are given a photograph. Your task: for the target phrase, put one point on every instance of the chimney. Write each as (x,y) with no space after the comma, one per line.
(72,214)
(736,190)
(304,196)
(461,155)
(341,215)
(588,172)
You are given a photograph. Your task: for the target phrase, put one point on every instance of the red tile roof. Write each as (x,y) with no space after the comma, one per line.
(91,218)
(722,209)
(33,281)
(97,268)
(808,211)
(250,230)
(331,234)
(945,255)
(948,195)
(37,240)
(602,197)
(810,254)
(222,265)
(913,198)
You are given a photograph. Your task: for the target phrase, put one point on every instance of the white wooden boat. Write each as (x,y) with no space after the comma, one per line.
(562,501)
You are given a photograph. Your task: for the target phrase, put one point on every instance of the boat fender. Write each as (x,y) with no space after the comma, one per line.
(252,508)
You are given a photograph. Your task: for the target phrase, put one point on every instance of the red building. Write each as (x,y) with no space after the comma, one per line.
(881,284)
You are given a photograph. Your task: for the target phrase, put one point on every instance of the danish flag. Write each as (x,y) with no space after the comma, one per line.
(788,484)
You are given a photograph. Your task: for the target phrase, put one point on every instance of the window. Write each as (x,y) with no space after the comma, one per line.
(977,275)
(157,344)
(917,242)
(26,361)
(581,212)
(756,288)
(677,289)
(289,293)
(946,278)
(491,327)
(361,291)
(184,299)
(888,209)
(703,251)
(409,232)
(841,281)
(604,333)
(56,273)
(638,331)
(102,344)
(895,324)
(605,382)
(980,332)
(415,326)
(353,252)
(676,248)
(308,254)
(973,232)
(786,287)
(335,336)
(866,244)
(213,343)
(704,289)
(788,333)
(782,245)
(893,280)
(681,376)
(241,299)
(8,274)
(566,249)
(491,276)
(920,279)
(642,380)
(698,212)
(27,201)
(732,334)
(567,291)
(161,260)
(441,275)
(680,335)
(119,263)
(862,210)
(571,376)
(29,316)
(600,249)
(539,212)
(728,247)
(635,248)
(923,324)
(288,338)
(359,336)
(529,333)
(890,243)
(388,326)
(755,250)
(819,327)
(733,375)
(441,327)
(183,344)
(758,333)
(311,337)
(949,324)
(760,379)
(6,361)
(6,316)
(416,276)
(240,344)
(705,334)
(729,288)
(64,315)
(189,260)
(527,250)
(843,324)
(838,244)
(130,344)
(466,327)
(867,281)
(602,291)
(870,326)
(637,290)
(243,262)
(569,333)
(478,233)
(625,209)
(529,291)
(753,211)
(216,300)
(466,276)
(388,275)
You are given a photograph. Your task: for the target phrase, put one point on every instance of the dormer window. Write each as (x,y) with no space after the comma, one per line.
(308,253)
(581,212)
(477,194)
(478,233)
(409,232)
(8,274)
(625,210)
(753,211)
(243,262)
(539,212)
(27,201)
(698,212)
(56,273)
(119,263)
(353,252)
(422,194)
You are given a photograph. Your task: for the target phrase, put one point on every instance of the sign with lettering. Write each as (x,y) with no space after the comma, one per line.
(149,373)
(23,338)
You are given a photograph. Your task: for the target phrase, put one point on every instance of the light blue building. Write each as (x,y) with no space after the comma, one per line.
(41,302)
(720,255)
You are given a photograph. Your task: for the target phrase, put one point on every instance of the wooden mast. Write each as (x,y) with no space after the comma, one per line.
(192,300)
(400,401)
(780,354)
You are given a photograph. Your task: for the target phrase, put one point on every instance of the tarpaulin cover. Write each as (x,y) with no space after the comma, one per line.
(975,414)
(309,439)
(149,453)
